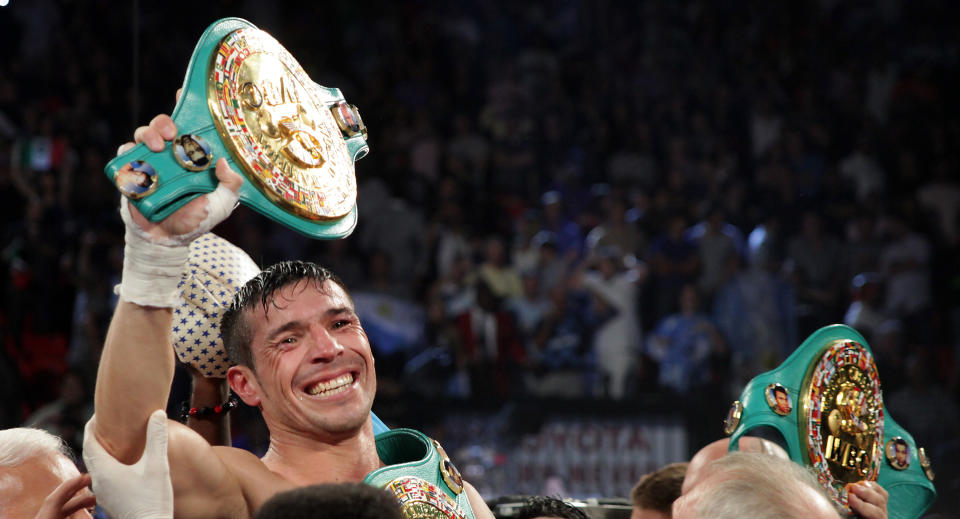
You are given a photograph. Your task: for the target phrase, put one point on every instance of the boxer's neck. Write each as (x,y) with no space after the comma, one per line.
(307,461)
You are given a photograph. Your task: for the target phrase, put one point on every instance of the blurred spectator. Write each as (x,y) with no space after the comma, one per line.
(861,168)
(884,333)
(765,127)
(381,277)
(941,196)
(553,268)
(455,289)
(812,263)
(614,282)
(866,313)
(617,231)
(565,363)
(435,366)
(529,310)
(66,416)
(492,348)
(674,261)
(468,151)
(756,313)
(717,242)
(393,226)
(452,241)
(687,346)
(905,263)
(862,246)
(496,272)
(566,234)
(923,406)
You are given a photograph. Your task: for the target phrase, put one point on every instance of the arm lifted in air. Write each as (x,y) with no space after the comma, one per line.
(137,365)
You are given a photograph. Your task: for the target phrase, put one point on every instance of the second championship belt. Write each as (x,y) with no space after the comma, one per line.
(247,99)
(826,403)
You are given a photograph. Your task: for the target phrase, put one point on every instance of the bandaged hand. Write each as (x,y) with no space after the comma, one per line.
(155,252)
(139,491)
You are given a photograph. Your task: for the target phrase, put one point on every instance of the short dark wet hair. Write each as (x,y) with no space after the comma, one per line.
(262,290)
(544,506)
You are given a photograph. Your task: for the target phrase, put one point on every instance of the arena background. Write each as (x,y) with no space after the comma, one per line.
(823,136)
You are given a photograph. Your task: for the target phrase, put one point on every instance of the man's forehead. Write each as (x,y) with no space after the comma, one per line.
(326,293)
(31,481)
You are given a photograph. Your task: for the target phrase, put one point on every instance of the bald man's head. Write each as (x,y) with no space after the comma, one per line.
(718,449)
(755,485)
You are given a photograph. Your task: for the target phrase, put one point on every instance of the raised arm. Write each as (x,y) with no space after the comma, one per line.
(136,369)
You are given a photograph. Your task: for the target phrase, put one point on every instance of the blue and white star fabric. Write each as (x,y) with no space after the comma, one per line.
(215,271)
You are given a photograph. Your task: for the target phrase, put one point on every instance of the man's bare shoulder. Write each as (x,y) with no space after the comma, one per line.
(257,482)
(221,482)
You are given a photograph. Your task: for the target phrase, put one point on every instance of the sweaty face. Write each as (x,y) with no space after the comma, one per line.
(24,487)
(314,372)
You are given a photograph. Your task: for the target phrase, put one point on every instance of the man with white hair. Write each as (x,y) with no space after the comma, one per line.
(38,479)
(764,484)
(867,499)
(756,485)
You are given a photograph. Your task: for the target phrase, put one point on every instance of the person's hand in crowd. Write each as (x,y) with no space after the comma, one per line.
(868,499)
(67,499)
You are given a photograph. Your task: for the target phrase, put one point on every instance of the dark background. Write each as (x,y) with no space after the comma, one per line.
(824,133)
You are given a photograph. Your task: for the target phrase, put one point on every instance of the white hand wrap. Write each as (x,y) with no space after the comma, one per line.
(139,491)
(152,266)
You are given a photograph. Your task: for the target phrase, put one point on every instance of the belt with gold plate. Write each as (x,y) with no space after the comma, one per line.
(246,98)
(826,403)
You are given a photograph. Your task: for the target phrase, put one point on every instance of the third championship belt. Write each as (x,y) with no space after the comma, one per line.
(825,400)
(247,99)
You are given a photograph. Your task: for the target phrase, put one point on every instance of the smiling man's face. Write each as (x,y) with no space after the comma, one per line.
(313,369)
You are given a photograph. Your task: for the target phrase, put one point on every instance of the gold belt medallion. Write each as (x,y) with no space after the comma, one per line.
(842,417)
(275,121)
(421,500)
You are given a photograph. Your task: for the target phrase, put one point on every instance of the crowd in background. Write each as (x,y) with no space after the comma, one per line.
(581,200)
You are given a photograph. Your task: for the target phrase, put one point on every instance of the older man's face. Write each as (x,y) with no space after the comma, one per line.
(24,487)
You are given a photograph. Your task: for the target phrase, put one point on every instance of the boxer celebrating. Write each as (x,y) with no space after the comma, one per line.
(302,357)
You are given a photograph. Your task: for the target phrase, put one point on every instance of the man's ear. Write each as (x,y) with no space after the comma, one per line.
(244,383)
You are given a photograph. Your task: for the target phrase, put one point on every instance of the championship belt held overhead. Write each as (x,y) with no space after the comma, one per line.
(247,99)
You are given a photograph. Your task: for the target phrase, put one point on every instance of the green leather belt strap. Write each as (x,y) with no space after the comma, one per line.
(825,401)
(246,99)
(420,475)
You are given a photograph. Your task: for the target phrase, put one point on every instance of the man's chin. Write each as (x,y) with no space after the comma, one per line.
(344,426)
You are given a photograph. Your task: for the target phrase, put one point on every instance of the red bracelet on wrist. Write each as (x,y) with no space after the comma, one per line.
(205,412)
